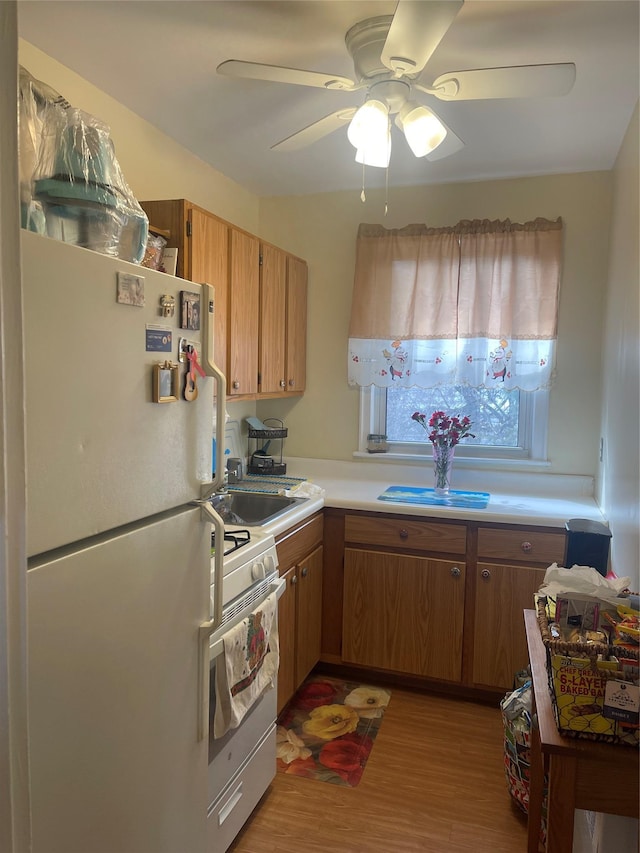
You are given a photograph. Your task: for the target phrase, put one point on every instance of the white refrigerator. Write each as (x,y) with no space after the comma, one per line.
(119,569)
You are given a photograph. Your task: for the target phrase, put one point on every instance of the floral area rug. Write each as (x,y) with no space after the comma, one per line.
(327,730)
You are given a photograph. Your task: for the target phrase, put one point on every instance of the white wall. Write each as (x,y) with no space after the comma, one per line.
(322,228)
(619,474)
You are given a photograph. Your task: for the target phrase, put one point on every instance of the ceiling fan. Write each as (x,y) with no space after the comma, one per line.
(389,54)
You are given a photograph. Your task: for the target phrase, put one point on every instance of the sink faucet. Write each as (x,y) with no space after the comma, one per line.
(234,471)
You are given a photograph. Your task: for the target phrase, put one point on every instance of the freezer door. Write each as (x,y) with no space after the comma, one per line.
(100,452)
(116,763)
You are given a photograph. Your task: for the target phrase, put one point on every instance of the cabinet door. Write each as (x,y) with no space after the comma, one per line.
(287,637)
(243,307)
(500,647)
(273,278)
(296,338)
(210,264)
(309,616)
(403,613)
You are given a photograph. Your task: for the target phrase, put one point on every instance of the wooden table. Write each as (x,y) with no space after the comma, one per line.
(582,774)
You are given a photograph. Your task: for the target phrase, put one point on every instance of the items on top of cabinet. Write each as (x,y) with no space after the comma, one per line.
(72,187)
(262,462)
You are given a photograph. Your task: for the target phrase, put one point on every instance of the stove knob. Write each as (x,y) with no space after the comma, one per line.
(270,563)
(258,571)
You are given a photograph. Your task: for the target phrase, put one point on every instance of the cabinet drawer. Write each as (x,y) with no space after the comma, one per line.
(295,544)
(532,546)
(406,534)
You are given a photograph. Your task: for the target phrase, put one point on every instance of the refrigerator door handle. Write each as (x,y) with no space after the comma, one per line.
(207,628)
(211,369)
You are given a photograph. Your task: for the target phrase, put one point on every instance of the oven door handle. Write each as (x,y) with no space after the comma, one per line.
(217,647)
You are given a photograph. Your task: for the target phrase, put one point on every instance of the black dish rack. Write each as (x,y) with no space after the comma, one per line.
(261,462)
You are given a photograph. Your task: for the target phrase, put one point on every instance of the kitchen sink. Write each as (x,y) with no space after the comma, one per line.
(251,508)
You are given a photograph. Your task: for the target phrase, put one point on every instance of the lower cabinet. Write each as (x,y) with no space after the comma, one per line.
(499,642)
(403,613)
(300,555)
(510,570)
(437,599)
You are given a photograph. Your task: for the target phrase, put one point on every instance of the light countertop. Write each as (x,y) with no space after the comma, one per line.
(531,499)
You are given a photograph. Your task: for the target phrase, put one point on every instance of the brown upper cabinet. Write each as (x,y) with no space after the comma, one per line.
(260,298)
(283,323)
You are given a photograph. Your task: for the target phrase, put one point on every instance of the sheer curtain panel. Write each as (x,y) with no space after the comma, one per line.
(473,304)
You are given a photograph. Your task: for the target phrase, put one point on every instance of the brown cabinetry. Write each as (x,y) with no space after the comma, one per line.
(242,321)
(435,599)
(260,298)
(510,569)
(283,323)
(300,556)
(401,611)
(202,241)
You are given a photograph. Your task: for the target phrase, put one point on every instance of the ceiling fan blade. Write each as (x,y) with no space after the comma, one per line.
(317,130)
(416,31)
(279,74)
(519,81)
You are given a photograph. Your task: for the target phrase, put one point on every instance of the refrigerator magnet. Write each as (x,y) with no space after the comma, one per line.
(189,310)
(165,383)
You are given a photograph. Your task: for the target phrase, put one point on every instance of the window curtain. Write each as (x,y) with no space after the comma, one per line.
(475,304)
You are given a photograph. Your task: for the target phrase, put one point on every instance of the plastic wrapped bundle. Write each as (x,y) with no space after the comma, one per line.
(79,184)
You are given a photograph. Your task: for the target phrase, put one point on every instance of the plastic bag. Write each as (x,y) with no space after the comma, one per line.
(76,179)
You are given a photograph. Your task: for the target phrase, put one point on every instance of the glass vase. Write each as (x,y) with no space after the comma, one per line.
(442,464)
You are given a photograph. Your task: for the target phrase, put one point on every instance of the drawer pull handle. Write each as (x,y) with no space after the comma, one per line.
(526,547)
(404,534)
(455,572)
(485,575)
(305,571)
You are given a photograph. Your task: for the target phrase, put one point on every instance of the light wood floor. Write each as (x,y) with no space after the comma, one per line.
(434,783)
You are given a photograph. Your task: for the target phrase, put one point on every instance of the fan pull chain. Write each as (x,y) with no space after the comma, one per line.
(363,196)
(386,190)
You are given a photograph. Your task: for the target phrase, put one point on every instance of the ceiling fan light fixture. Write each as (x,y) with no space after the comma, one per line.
(371,122)
(376,152)
(422,129)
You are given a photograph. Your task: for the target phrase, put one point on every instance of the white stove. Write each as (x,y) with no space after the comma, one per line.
(250,568)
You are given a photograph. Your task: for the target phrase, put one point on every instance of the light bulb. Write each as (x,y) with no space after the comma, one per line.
(422,129)
(371,121)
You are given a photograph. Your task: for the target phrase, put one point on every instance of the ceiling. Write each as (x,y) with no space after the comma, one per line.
(160,59)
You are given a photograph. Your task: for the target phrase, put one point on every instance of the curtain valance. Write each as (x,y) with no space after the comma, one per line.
(473,304)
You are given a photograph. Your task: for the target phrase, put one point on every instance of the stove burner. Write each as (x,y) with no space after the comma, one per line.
(233,539)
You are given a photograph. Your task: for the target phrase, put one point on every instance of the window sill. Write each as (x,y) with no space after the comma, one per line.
(468,462)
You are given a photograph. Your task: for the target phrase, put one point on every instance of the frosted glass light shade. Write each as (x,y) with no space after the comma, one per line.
(422,129)
(371,121)
(376,152)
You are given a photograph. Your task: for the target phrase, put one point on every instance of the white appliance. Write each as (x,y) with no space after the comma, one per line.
(241,762)
(119,546)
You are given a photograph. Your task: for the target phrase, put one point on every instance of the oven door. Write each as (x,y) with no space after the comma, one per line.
(228,754)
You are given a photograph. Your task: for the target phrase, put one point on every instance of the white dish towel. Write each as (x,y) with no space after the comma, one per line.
(247,667)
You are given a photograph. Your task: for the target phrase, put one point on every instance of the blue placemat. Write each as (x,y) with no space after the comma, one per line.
(427,497)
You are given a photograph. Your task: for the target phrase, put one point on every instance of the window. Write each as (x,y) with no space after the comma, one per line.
(461,319)
(506,424)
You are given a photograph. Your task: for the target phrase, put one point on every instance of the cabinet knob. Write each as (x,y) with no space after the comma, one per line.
(485,574)
(305,572)
(294,579)
(455,572)
(235,384)
(526,547)
(283,384)
(404,534)
(292,382)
